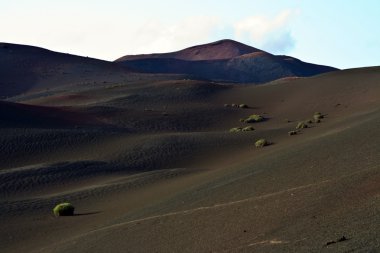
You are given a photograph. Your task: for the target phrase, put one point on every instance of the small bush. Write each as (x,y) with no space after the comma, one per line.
(318,116)
(292,133)
(248,128)
(227,105)
(64,209)
(236,129)
(243,106)
(301,125)
(254,118)
(261,143)
(309,121)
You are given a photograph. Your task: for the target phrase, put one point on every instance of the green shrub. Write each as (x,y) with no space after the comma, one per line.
(309,121)
(248,128)
(261,143)
(301,125)
(241,129)
(254,118)
(64,209)
(236,129)
(292,133)
(227,105)
(243,106)
(318,116)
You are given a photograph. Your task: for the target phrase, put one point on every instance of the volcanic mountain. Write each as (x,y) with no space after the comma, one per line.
(226,61)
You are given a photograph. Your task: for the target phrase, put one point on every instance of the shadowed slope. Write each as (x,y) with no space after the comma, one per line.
(32,116)
(26,68)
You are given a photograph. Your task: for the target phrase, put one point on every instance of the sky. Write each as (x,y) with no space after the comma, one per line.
(339,33)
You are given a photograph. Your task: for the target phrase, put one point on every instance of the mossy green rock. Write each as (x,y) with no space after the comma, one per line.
(64,209)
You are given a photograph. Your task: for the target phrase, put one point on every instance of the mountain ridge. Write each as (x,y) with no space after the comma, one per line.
(218,50)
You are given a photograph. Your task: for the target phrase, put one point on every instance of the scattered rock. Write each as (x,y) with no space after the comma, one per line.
(342,239)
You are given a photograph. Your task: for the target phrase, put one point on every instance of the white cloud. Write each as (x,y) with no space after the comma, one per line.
(108,38)
(93,34)
(155,36)
(272,34)
(152,36)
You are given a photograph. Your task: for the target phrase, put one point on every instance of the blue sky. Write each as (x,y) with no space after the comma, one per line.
(339,33)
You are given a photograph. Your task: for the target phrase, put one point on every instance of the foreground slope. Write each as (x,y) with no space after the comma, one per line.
(224,60)
(160,172)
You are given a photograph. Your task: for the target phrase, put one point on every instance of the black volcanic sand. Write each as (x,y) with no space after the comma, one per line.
(151,167)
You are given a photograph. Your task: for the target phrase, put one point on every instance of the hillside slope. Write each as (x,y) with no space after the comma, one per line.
(26,68)
(158,170)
